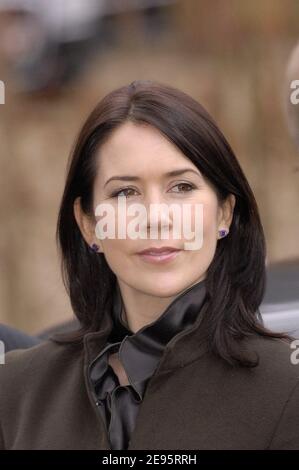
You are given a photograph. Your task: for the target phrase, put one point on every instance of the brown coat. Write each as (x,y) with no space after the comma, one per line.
(193,401)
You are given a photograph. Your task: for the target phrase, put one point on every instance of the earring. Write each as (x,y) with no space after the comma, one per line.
(223,233)
(94,247)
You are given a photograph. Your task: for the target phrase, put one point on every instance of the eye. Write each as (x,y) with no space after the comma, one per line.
(188,185)
(118,193)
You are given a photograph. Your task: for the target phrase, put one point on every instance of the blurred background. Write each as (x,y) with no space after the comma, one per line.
(58,59)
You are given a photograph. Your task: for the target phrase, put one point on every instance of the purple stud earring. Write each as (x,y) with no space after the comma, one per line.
(223,233)
(94,247)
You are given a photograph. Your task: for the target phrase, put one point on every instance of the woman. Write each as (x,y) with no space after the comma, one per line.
(171,353)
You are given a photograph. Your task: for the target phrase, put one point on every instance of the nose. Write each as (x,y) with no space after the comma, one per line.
(158,214)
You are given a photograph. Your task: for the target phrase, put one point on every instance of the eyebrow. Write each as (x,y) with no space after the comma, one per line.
(168,174)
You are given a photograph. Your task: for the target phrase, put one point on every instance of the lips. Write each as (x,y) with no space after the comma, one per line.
(159,255)
(158,251)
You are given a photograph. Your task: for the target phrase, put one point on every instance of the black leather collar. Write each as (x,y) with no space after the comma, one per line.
(140,352)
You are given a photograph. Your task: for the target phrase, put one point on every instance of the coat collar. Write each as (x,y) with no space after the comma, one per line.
(177,331)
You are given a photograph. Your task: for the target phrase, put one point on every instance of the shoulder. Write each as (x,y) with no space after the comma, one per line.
(275,355)
(267,385)
(29,366)
(279,367)
(46,373)
(45,349)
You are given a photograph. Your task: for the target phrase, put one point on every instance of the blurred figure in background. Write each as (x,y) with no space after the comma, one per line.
(15,339)
(48,44)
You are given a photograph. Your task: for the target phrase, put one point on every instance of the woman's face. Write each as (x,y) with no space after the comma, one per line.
(142,152)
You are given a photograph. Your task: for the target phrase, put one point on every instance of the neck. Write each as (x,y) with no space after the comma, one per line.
(136,318)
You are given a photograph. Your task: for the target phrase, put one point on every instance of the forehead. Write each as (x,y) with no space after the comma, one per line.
(137,148)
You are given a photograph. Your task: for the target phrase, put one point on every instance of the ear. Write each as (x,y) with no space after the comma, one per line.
(85,224)
(226,212)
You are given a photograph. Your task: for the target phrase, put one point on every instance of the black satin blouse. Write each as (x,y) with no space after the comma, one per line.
(139,353)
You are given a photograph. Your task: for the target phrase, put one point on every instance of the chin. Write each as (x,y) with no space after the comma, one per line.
(166,287)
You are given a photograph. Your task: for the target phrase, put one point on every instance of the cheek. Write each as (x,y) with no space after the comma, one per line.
(204,220)
(210,221)
(114,248)
(209,234)
(118,253)
(115,221)
(113,251)
(198,260)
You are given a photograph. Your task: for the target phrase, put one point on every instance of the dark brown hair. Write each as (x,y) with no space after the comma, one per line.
(235,281)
